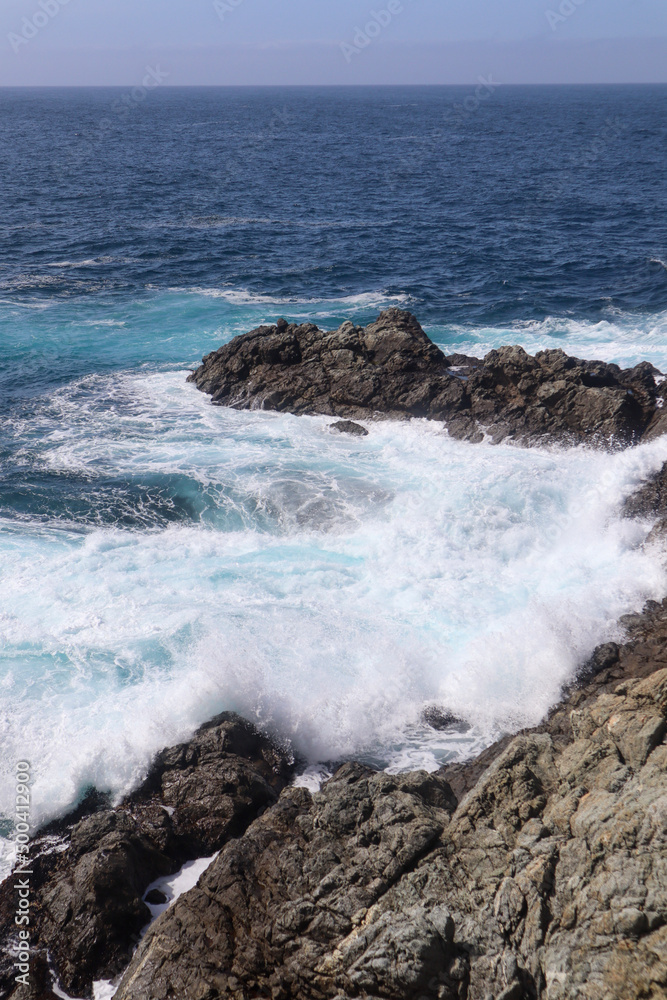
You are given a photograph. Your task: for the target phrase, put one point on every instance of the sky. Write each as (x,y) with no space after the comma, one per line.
(226,42)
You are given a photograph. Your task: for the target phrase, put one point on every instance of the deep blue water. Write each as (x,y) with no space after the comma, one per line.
(542,201)
(164,560)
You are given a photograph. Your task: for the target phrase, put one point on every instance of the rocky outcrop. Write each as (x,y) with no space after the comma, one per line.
(390,368)
(545,877)
(89,877)
(650,502)
(537,871)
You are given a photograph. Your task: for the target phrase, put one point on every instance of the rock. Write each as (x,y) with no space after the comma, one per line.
(214,785)
(390,368)
(155,897)
(286,905)
(439,718)
(87,904)
(555,396)
(547,879)
(650,500)
(462,362)
(604,656)
(349,427)
(537,871)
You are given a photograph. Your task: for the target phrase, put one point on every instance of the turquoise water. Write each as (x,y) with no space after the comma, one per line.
(163,560)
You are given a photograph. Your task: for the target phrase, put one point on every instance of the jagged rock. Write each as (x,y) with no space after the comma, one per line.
(650,500)
(216,783)
(604,656)
(547,880)
(349,427)
(537,871)
(299,883)
(87,907)
(390,368)
(553,395)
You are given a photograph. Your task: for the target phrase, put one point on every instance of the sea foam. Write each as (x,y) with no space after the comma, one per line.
(328,588)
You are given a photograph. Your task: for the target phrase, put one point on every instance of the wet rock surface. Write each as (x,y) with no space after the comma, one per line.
(538,870)
(649,500)
(390,368)
(349,427)
(89,876)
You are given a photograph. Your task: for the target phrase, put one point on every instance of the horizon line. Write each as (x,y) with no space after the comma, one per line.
(321,86)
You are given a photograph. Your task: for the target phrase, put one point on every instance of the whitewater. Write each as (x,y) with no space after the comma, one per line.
(166,560)
(163,560)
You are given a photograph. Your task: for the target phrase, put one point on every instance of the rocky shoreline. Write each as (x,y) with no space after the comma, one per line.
(390,369)
(537,871)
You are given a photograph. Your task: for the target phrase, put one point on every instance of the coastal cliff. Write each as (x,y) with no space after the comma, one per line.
(537,871)
(547,879)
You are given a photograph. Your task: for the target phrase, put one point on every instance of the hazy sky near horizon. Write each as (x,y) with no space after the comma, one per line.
(88,42)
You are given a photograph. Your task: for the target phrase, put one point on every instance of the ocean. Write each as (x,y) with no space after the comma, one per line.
(163,560)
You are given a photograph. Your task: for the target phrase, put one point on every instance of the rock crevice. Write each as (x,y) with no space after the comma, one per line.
(90,874)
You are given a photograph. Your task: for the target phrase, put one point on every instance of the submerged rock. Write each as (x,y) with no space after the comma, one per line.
(546,880)
(87,908)
(390,368)
(349,427)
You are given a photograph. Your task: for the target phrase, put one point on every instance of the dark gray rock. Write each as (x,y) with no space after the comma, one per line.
(215,784)
(546,880)
(87,903)
(650,500)
(391,369)
(604,656)
(349,427)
